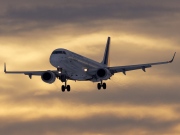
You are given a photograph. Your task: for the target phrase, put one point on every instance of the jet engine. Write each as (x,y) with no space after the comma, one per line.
(48,77)
(103,73)
(99,74)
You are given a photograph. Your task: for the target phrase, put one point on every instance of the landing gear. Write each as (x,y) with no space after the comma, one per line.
(99,86)
(64,87)
(68,88)
(103,85)
(63,77)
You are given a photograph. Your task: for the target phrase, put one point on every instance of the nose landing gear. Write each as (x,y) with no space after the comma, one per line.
(63,78)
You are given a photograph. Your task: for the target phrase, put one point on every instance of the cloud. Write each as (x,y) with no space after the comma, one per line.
(141,31)
(92,16)
(98,124)
(67,12)
(117,93)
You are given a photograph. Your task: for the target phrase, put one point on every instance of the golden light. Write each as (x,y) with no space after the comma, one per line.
(85,70)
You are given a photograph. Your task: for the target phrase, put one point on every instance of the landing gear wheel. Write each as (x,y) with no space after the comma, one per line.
(104,85)
(63,88)
(99,86)
(68,88)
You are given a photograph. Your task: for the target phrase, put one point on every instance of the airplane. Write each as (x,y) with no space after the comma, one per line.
(72,66)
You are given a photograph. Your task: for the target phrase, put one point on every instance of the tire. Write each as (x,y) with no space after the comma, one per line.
(63,88)
(99,86)
(104,85)
(68,88)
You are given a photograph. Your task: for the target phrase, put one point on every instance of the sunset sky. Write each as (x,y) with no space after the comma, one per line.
(139,103)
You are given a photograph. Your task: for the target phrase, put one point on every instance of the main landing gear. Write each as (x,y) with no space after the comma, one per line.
(64,87)
(103,85)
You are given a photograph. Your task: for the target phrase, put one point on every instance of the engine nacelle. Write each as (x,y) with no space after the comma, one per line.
(103,73)
(48,77)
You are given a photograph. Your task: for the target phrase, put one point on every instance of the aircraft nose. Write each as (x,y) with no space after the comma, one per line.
(54,60)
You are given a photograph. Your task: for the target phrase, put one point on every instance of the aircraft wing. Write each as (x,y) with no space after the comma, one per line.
(29,73)
(135,67)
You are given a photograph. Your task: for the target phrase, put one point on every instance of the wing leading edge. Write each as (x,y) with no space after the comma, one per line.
(123,69)
(29,73)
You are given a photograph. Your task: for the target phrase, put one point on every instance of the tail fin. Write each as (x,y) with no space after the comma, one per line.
(106,60)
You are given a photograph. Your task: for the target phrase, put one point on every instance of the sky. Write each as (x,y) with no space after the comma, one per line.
(138,103)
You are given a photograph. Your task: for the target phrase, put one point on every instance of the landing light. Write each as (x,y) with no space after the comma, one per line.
(59,72)
(85,70)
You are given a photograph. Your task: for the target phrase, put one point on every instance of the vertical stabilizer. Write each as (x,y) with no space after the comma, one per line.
(106,60)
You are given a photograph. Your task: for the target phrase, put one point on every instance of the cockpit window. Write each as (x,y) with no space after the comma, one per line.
(59,52)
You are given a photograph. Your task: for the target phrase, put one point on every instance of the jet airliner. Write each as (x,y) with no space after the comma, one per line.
(72,66)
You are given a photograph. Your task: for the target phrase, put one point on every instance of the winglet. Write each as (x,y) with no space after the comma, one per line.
(172,58)
(5,67)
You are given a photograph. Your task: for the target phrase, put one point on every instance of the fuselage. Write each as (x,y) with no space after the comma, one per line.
(77,67)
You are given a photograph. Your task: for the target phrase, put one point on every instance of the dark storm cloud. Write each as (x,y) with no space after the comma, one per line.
(86,13)
(97,124)
(101,11)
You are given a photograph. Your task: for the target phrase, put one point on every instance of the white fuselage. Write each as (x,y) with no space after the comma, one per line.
(76,66)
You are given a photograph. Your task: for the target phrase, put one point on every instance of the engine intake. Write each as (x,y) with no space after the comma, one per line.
(48,77)
(101,73)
